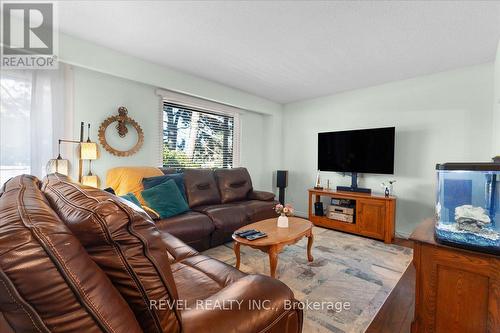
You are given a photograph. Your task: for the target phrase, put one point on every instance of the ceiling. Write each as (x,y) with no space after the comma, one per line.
(287,51)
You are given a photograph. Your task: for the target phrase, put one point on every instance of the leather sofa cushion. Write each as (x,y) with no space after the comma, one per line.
(234,184)
(25,319)
(19,313)
(189,227)
(226,217)
(176,248)
(201,188)
(48,282)
(257,210)
(261,195)
(249,291)
(208,274)
(125,243)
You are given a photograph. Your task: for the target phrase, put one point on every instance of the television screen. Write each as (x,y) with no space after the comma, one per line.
(366,151)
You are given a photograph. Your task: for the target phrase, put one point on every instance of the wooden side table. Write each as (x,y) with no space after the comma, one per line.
(277,239)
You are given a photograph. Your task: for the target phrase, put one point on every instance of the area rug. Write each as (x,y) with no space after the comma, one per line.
(347,283)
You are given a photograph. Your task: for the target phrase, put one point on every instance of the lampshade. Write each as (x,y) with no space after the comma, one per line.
(59,165)
(90,180)
(88,150)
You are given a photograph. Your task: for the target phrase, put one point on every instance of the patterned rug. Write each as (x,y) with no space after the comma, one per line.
(349,279)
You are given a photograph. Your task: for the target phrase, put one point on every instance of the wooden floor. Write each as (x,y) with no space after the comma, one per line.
(396,314)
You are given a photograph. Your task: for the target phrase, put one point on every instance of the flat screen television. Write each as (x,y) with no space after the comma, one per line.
(357,151)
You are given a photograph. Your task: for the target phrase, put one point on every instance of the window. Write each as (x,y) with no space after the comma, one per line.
(33,116)
(197,138)
(15,110)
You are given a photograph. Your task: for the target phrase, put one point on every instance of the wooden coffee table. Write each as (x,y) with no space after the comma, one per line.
(276,238)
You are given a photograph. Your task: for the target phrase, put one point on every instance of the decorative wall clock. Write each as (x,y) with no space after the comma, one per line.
(122,119)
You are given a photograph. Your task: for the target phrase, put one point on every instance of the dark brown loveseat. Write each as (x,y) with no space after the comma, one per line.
(77,259)
(221,201)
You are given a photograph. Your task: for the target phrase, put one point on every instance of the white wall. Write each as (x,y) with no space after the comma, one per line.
(496,122)
(105,79)
(98,96)
(439,118)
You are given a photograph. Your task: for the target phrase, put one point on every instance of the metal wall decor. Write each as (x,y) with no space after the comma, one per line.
(122,119)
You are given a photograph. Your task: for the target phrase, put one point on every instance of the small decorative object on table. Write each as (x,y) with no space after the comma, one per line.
(388,187)
(318,182)
(284,211)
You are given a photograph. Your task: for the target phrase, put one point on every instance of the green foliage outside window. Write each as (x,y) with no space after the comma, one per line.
(193,139)
(177,159)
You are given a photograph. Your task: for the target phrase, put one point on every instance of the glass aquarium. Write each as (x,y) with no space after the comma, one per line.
(468,206)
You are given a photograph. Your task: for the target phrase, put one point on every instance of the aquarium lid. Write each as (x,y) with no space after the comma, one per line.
(469,166)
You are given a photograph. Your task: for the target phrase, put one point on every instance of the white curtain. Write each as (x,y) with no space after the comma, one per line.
(36,111)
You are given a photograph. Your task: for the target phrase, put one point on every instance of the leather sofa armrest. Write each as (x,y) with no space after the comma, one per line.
(255,303)
(261,195)
(176,248)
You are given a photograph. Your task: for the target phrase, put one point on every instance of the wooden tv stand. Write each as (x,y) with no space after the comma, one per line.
(374,214)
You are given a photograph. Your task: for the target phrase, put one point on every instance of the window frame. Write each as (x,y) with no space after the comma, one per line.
(201,105)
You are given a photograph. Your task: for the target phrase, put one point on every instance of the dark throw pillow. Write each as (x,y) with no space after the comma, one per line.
(150,182)
(132,198)
(166,199)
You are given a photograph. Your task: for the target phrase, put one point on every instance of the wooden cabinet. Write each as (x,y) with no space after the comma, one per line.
(375,214)
(456,290)
(370,217)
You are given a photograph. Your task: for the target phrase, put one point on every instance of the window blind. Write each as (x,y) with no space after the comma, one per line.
(197,138)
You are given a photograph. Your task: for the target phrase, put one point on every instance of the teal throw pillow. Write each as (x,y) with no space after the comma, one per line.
(166,199)
(132,198)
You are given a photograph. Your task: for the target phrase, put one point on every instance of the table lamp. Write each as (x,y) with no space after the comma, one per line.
(90,179)
(59,164)
(88,151)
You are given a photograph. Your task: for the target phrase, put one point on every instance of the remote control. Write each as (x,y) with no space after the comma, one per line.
(245,233)
(256,236)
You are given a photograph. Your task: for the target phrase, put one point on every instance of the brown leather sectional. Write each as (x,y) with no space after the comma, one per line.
(221,201)
(77,259)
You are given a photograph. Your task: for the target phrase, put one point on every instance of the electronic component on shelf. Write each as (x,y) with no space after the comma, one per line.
(341,217)
(343,202)
(318,209)
(341,209)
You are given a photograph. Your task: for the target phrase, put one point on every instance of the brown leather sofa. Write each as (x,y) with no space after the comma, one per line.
(77,259)
(221,201)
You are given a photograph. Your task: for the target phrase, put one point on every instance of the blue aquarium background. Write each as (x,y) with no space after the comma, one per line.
(468,209)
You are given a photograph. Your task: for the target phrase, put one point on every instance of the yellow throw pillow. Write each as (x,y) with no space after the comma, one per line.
(129,179)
